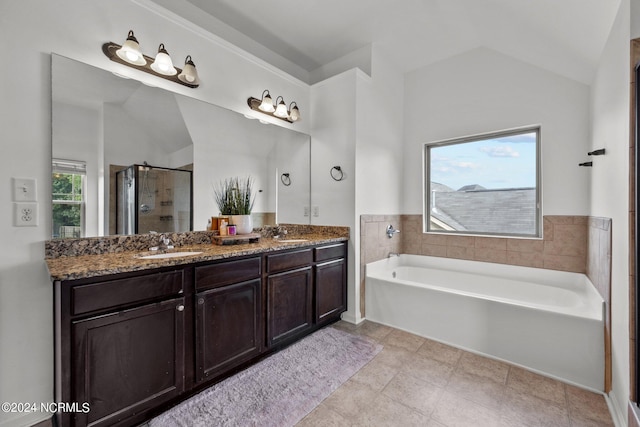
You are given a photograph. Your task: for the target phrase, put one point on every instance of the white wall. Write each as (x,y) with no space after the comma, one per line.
(333,126)
(357,125)
(610,186)
(635,18)
(379,138)
(482,91)
(29,31)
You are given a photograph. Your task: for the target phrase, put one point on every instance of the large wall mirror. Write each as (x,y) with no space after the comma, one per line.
(103,123)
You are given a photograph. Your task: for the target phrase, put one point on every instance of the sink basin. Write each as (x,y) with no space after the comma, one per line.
(169,255)
(291,240)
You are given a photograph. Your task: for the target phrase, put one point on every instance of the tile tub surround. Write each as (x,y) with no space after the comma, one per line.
(565,245)
(599,273)
(376,245)
(111,258)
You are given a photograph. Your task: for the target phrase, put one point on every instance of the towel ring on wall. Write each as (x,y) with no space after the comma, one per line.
(337,176)
(285,179)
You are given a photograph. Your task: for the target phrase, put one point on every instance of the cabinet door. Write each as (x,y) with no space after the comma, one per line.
(289,304)
(228,327)
(128,362)
(331,290)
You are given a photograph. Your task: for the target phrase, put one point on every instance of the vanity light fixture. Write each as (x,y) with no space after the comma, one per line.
(163,63)
(189,74)
(129,54)
(281,109)
(294,113)
(265,105)
(130,51)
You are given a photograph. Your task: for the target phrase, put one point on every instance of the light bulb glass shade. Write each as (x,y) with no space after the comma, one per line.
(294,112)
(130,51)
(163,64)
(189,74)
(267,103)
(281,109)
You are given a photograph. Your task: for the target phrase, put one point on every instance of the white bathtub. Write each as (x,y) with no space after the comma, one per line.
(546,321)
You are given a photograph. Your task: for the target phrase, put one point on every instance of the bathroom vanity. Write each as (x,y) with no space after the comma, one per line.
(133,343)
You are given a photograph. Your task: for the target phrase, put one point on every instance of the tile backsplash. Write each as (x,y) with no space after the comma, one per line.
(564,246)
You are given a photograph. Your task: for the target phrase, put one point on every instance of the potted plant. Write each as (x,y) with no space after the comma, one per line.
(235,198)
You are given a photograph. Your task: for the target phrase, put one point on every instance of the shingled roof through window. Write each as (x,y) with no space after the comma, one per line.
(473,208)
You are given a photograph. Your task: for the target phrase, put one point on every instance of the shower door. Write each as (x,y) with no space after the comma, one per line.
(151,198)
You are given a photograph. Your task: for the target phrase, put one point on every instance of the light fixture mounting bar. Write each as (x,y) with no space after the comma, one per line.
(109,49)
(254,103)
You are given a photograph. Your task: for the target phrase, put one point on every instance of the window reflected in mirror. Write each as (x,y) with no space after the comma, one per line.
(68,190)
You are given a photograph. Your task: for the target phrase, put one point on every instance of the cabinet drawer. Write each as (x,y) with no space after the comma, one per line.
(226,273)
(289,260)
(330,252)
(112,293)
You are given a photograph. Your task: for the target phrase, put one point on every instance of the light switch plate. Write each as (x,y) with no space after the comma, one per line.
(25,214)
(24,190)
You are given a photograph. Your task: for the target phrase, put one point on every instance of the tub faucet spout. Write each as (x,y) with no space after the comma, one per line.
(393,254)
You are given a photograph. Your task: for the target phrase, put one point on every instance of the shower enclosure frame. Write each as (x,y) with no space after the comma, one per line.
(136,168)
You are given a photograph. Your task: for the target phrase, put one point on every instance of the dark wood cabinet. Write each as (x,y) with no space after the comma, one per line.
(330,292)
(289,305)
(127,362)
(120,345)
(133,344)
(229,326)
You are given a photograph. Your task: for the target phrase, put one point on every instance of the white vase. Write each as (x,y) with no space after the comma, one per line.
(243,223)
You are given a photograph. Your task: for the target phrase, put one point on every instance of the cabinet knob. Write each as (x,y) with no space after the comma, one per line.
(180,307)
(201,301)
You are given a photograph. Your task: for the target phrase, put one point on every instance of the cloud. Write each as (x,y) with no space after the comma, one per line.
(525,138)
(463,165)
(500,151)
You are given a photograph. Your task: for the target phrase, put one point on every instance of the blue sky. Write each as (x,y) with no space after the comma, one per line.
(505,162)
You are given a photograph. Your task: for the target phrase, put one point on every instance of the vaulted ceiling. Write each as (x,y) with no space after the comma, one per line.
(563,36)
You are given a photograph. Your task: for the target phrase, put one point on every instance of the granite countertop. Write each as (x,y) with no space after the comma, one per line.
(85,266)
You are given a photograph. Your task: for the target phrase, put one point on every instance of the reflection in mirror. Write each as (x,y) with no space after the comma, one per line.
(149,198)
(108,123)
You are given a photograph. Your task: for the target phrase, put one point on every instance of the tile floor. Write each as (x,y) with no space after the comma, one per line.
(418,382)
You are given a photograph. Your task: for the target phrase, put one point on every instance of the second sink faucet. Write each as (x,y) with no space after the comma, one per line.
(280,231)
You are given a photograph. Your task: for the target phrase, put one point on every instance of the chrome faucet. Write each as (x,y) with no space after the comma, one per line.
(165,242)
(279,231)
(391,254)
(391,231)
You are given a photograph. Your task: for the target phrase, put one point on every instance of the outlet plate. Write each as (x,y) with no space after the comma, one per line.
(24,190)
(25,214)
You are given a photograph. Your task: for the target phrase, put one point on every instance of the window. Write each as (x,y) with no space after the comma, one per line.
(486,184)
(68,192)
